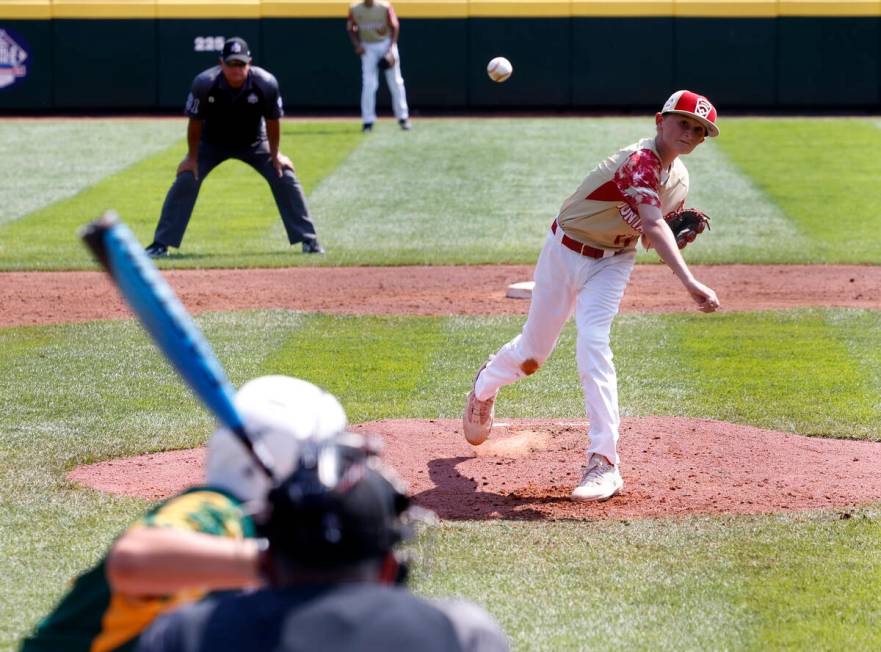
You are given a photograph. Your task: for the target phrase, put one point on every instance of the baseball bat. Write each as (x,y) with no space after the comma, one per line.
(164,317)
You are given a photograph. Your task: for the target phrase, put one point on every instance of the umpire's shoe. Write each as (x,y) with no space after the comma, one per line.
(312,247)
(156,250)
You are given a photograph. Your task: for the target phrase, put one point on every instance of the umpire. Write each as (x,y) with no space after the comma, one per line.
(234,110)
(334,578)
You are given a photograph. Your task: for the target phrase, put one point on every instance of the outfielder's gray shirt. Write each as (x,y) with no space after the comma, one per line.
(234,117)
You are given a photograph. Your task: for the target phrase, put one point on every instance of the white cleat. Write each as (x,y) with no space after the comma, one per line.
(601,480)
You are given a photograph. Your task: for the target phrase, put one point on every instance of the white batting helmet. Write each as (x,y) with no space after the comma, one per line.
(280,412)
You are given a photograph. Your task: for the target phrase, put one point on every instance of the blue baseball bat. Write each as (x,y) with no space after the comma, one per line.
(164,317)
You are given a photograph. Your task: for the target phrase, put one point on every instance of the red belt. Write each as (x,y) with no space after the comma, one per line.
(580,248)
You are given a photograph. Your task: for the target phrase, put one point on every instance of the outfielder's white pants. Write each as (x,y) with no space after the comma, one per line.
(373,52)
(567,282)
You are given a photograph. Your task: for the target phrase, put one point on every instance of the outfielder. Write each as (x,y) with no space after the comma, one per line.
(199,541)
(584,267)
(373,29)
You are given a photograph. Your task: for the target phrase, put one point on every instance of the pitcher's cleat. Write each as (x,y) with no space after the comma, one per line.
(601,480)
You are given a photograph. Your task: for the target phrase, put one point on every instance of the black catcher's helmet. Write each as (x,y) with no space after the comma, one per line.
(339,507)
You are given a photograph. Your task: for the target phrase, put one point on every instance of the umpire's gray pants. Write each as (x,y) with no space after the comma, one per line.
(286,190)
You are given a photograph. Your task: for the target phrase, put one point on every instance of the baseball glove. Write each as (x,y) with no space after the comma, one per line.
(386,61)
(686,224)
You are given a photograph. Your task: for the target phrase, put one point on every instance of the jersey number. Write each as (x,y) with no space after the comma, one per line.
(208,43)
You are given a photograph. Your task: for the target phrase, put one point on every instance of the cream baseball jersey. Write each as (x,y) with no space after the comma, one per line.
(374,23)
(604,211)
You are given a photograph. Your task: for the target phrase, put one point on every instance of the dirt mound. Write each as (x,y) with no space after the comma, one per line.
(526,470)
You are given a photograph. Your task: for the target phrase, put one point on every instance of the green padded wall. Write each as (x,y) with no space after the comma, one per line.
(621,61)
(539,48)
(828,62)
(560,62)
(105,64)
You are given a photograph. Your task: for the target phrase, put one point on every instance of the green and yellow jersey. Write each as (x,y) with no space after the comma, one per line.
(92,618)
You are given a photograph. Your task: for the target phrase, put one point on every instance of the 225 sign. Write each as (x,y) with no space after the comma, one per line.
(208,43)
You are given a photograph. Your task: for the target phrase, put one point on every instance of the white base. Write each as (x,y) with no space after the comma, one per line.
(522,290)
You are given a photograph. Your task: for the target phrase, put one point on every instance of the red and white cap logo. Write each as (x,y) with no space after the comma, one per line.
(695,106)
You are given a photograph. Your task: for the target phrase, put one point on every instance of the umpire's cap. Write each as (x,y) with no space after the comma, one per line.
(339,507)
(236,49)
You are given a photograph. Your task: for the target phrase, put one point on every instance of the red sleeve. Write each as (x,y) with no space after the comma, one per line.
(639,179)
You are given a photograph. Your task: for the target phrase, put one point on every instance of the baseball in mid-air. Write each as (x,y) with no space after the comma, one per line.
(499,69)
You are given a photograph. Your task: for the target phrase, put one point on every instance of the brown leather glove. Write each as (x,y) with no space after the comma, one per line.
(687,224)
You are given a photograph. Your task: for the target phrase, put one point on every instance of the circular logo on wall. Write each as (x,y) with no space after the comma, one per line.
(13,55)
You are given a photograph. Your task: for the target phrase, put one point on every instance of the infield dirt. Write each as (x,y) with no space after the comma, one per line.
(60,297)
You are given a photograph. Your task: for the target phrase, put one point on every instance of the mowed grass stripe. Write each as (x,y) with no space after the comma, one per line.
(810,582)
(856,330)
(788,371)
(76,393)
(235,218)
(482,191)
(746,226)
(45,161)
(381,364)
(785,370)
(795,581)
(821,173)
(464,191)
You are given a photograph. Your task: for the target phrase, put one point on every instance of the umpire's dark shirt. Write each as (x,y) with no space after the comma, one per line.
(234,117)
(356,617)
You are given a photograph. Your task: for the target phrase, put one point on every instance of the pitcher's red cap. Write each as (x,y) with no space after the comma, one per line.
(694,106)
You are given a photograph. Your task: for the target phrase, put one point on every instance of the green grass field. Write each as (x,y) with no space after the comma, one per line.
(455,191)
(452,191)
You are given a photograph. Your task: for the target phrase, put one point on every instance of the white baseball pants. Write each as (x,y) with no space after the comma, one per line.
(373,52)
(567,282)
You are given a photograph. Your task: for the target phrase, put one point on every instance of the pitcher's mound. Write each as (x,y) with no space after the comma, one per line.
(527,469)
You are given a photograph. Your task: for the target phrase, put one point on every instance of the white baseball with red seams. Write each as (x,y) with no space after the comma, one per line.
(499,69)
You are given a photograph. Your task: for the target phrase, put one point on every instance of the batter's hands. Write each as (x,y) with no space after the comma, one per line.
(703,296)
(280,162)
(189,164)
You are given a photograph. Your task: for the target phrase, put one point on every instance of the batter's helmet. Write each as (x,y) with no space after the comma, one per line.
(280,413)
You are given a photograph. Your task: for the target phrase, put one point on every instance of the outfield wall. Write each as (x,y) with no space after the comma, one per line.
(60,55)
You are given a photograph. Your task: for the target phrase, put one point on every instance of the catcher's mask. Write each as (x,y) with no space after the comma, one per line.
(339,507)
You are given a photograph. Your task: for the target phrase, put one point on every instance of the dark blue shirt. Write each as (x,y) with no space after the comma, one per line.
(234,117)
